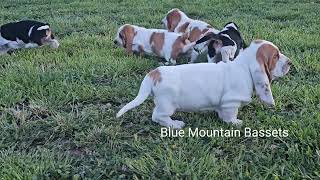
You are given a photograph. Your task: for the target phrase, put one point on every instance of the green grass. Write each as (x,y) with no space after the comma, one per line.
(57,107)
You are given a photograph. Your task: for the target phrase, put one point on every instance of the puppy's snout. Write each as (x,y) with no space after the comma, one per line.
(115,41)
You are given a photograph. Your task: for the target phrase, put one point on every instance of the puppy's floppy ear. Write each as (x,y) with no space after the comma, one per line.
(267,57)
(127,34)
(184,36)
(208,37)
(173,19)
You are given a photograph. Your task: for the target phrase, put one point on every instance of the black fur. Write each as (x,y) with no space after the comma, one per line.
(20,30)
(233,33)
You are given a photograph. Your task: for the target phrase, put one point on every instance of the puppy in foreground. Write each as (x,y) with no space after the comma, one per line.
(158,42)
(221,87)
(25,34)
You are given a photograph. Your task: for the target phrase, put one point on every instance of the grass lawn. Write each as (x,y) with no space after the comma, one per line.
(57,107)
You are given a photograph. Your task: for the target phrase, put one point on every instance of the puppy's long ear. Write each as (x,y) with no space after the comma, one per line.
(127,35)
(184,37)
(267,57)
(173,19)
(208,37)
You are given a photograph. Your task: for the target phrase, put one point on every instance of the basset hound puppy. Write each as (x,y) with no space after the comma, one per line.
(191,87)
(228,42)
(178,21)
(25,34)
(158,42)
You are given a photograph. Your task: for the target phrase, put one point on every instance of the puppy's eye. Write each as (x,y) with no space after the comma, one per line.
(120,36)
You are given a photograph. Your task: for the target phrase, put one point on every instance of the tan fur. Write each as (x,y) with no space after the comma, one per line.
(47,37)
(128,34)
(141,50)
(173,19)
(184,27)
(258,41)
(155,75)
(205,30)
(195,34)
(267,56)
(157,42)
(178,46)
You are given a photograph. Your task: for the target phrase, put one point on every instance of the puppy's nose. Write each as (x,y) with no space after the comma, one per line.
(115,42)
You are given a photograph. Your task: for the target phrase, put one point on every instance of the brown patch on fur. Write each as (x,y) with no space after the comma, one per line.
(47,37)
(183,28)
(178,45)
(156,42)
(141,50)
(267,56)
(258,41)
(205,30)
(127,34)
(48,33)
(173,19)
(155,75)
(195,34)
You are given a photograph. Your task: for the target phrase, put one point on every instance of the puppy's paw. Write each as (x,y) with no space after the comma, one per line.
(54,44)
(177,124)
(237,122)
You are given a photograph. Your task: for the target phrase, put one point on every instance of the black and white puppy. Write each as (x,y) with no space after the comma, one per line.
(228,42)
(25,34)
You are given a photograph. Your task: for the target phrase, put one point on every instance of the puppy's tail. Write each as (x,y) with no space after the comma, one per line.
(144,92)
(208,37)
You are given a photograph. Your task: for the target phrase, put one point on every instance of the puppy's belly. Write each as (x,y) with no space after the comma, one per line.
(196,103)
(213,108)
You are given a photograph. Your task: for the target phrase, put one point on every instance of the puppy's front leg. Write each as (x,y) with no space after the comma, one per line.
(194,56)
(173,62)
(229,115)
(4,49)
(211,59)
(225,54)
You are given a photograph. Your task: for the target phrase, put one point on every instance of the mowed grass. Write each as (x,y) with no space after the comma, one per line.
(57,107)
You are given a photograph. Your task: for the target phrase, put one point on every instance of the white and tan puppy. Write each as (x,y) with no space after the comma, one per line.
(158,42)
(221,87)
(177,21)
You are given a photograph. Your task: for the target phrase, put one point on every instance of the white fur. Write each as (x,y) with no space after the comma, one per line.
(142,38)
(43,27)
(30,31)
(221,87)
(229,25)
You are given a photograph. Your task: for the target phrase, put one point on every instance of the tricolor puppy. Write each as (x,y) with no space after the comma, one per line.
(158,42)
(221,87)
(25,34)
(228,42)
(177,21)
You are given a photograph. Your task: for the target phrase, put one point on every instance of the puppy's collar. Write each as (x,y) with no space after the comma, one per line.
(30,31)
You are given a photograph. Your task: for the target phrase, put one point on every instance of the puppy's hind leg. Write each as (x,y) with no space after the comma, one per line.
(162,112)
(4,49)
(229,115)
